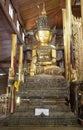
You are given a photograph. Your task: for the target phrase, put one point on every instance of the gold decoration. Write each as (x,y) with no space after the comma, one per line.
(17,85)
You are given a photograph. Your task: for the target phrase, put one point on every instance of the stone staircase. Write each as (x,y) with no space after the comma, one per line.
(44,92)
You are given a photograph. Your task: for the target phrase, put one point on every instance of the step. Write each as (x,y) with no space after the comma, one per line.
(44,93)
(54,108)
(68,119)
(44,102)
(46,81)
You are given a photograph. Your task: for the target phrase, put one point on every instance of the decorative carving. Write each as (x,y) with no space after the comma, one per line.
(77,34)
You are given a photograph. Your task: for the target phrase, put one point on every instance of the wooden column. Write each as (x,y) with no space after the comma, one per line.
(65,42)
(20,62)
(13,70)
(68,18)
(13,49)
(82,16)
(81,40)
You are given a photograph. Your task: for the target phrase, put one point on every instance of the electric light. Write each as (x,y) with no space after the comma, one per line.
(18,100)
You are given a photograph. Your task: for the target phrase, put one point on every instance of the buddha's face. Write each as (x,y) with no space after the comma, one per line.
(44,36)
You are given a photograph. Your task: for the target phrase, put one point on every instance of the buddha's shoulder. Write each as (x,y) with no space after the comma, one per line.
(52,46)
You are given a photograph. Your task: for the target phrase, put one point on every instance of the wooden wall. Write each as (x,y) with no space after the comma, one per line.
(3,84)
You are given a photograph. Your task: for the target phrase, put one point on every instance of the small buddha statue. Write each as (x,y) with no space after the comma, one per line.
(44,54)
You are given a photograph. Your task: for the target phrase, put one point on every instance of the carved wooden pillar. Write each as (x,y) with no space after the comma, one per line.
(20,62)
(68,18)
(65,42)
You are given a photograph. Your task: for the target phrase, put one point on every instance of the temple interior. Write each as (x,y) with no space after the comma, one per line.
(41,64)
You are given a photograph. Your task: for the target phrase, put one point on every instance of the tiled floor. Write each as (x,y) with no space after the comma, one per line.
(42,128)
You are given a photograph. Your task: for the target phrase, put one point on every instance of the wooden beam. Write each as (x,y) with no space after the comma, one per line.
(5,65)
(3,70)
(7,4)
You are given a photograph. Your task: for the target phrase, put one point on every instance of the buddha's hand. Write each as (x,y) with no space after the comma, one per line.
(53,60)
(32,73)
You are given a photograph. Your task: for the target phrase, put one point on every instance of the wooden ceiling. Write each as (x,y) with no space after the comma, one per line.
(29,11)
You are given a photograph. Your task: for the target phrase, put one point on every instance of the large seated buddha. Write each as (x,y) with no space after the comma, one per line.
(44,54)
(45,89)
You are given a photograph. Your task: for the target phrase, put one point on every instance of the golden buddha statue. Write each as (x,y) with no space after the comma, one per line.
(44,54)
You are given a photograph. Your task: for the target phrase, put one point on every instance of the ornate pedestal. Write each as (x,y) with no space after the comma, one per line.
(44,92)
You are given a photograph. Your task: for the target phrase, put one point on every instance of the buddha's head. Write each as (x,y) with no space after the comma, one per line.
(44,36)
